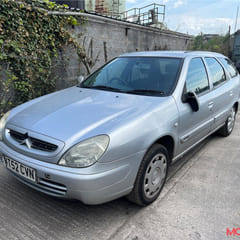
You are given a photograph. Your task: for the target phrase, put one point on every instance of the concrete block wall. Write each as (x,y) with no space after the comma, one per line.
(104,38)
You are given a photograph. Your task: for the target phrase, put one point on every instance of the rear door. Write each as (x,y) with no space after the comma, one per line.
(223,91)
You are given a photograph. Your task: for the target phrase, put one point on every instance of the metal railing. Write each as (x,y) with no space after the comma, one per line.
(149,15)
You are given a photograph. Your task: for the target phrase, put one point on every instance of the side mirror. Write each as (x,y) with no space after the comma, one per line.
(81,79)
(192,99)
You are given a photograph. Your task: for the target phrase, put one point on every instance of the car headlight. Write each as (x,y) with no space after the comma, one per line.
(85,153)
(3,123)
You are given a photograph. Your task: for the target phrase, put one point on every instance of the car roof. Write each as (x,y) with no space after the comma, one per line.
(176,54)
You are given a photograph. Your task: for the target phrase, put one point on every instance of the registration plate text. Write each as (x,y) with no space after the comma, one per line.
(20,169)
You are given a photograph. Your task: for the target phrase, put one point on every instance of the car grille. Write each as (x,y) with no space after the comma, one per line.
(46,186)
(35,143)
(52,187)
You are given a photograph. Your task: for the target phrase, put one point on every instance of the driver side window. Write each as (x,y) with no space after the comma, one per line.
(196,80)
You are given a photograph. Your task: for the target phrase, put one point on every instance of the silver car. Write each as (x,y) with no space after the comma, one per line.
(117,132)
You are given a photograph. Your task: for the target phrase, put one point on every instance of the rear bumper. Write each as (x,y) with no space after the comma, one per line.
(97,184)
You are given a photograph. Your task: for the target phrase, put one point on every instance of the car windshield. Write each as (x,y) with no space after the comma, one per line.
(154,76)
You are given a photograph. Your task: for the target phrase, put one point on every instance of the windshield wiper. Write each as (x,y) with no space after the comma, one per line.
(139,91)
(103,87)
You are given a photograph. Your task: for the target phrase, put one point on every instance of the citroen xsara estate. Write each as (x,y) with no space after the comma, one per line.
(116,133)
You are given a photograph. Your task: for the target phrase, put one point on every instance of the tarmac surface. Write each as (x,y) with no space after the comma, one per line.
(200,200)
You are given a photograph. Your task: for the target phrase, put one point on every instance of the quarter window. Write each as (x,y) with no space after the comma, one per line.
(216,71)
(197,80)
(229,66)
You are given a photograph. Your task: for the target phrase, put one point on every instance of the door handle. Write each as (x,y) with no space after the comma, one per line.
(210,105)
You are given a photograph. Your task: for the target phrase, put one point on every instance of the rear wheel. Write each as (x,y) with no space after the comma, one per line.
(151,176)
(227,129)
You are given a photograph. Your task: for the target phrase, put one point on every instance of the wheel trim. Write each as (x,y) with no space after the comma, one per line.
(155,175)
(231,120)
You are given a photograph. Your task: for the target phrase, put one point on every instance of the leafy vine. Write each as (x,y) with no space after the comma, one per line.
(29,40)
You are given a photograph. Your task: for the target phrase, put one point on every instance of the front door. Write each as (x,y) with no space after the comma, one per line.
(194,126)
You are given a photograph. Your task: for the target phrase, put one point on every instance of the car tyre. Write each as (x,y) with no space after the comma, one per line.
(151,176)
(227,129)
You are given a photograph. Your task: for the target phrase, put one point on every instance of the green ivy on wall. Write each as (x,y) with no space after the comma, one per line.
(29,40)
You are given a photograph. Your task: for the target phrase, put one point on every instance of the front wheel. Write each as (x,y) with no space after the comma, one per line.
(151,176)
(227,129)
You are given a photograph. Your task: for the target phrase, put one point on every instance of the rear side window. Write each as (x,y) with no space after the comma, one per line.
(197,80)
(229,66)
(216,71)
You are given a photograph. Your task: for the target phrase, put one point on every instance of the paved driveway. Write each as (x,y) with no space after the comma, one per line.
(200,200)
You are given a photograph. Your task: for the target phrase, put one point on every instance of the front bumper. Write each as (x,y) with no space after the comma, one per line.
(97,184)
